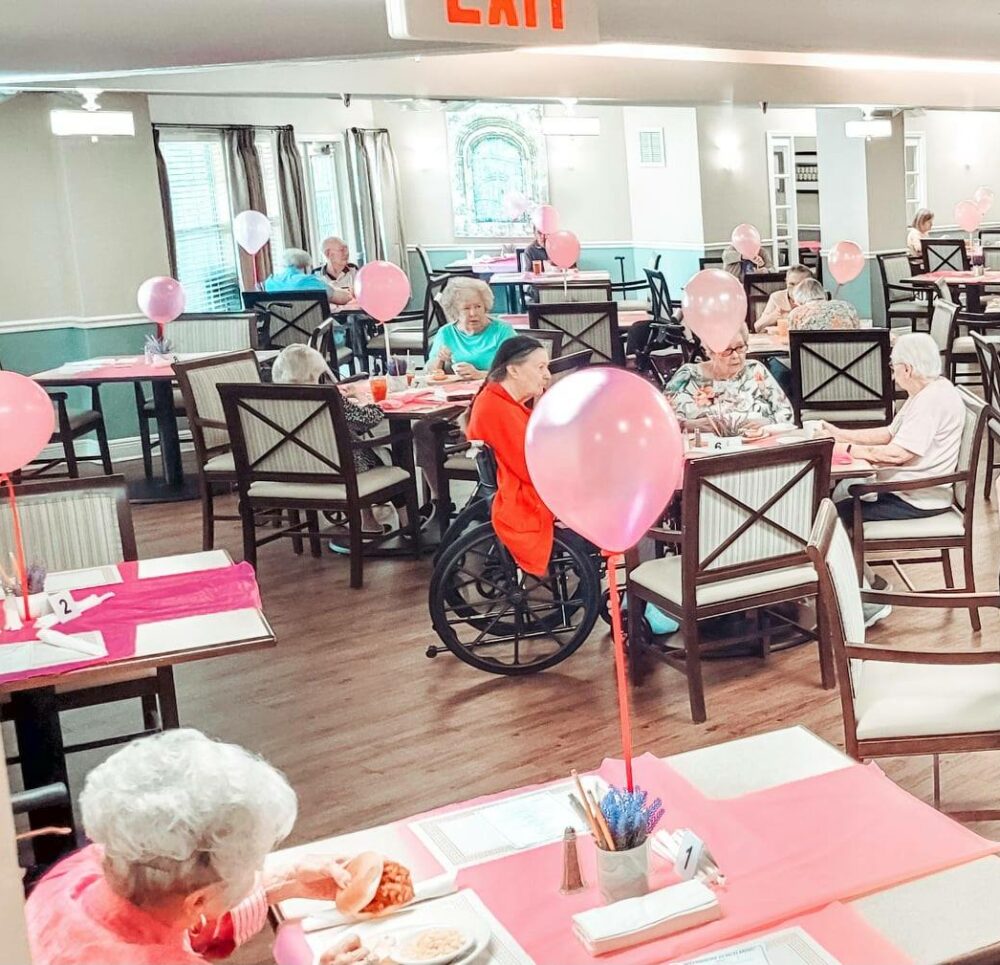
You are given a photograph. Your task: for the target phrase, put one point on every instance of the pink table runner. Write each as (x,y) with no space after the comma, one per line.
(146,601)
(960,277)
(787,852)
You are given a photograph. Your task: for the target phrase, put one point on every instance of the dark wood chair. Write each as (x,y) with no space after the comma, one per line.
(584,325)
(199,382)
(841,376)
(957,349)
(70,425)
(944,254)
(745,521)
(710,261)
(293,451)
(989,236)
(561,367)
(75,524)
(551,341)
(898,702)
(425,261)
(411,333)
(940,534)
(904,299)
(759,286)
(988,351)
(812,259)
(663,308)
(578,291)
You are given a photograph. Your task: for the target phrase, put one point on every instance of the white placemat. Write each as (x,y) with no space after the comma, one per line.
(790,946)
(490,831)
(33,655)
(82,579)
(183,563)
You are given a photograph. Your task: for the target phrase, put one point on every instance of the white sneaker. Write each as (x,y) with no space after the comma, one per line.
(874,612)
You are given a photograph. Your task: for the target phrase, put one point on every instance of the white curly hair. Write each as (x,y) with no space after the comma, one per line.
(459,287)
(300,365)
(178,811)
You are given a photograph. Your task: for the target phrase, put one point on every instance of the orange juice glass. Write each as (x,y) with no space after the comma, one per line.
(379,387)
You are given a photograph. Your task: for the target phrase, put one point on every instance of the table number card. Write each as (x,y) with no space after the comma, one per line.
(690,851)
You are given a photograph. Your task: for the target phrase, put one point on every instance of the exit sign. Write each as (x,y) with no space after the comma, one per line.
(508,22)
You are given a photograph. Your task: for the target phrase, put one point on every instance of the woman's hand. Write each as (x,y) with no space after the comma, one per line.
(305,876)
(345,952)
(442,360)
(467,371)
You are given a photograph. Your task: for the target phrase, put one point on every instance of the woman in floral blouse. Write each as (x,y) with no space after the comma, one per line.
(728,382)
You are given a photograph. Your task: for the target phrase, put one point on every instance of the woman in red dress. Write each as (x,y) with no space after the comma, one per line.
(519,374)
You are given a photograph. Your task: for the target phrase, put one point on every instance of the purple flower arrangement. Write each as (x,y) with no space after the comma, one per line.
(397,366)
(630,816)
(35,576)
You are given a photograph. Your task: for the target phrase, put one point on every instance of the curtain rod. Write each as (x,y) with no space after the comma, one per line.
(224,127)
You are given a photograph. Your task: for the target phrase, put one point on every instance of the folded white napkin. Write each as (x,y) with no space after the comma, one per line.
(437,887)
(76,644)
(637,920)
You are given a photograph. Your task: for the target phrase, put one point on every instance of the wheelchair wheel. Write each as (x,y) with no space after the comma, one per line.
(497,618)
(473,514)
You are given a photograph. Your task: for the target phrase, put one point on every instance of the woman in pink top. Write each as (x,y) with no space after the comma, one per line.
(176,875)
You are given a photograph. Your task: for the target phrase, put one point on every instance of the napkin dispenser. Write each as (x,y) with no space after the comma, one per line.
(635,921)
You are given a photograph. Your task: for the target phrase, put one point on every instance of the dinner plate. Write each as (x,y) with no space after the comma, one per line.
(457,956)
(478,928)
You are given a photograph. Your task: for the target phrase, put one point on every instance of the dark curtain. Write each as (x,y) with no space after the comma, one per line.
(292,191)
(375,191)
(168,211)
(248,188)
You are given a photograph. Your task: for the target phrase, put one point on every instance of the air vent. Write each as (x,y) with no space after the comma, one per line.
(651,148)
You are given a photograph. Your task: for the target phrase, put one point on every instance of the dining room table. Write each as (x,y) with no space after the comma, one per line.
(173,486)
(811,858)
(484,266)
(153,615)
(972,283)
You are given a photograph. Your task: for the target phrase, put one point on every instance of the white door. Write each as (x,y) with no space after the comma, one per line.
(781,182)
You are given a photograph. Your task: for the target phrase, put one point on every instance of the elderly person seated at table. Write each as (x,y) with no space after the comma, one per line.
(737,265)
(813,311)
(302,365)
(780,303)
(728,381)
(919,229)
(536,250)
(338,273)
(178,872)
(295,275)
(467,344)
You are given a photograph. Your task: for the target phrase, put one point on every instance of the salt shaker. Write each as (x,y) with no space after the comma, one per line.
(572,878)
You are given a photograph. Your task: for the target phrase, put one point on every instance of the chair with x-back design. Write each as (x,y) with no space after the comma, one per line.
(293,451)
(290,318)
(944,254)
(745,523)
(842,377)
(584,325)
(759,287)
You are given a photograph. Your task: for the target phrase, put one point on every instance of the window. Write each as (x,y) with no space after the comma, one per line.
(266,151)
(199,197)
(495,149)
(326,192)
(651,148)
(915,175)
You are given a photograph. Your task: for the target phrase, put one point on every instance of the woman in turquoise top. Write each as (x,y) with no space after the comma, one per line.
(467,344)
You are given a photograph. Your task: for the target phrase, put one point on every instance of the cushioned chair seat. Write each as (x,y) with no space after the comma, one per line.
(368,482)
(221,463)
(150,406)
(411,339)
(460,463)
(946,524)
(845,415)
(663,577)
(963,345)
(80,418)
(910,307)
(918,700)
(635,305)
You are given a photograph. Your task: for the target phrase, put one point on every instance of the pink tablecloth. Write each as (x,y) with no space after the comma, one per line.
(133,369)
(788,852)
(960,277)
(149,600)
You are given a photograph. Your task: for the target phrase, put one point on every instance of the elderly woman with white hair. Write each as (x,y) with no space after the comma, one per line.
(467,344)
(178,872)
(922,441)
(294,275)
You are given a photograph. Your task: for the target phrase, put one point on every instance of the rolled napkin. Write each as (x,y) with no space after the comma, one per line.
(75,644)
(437,887)
(638,920)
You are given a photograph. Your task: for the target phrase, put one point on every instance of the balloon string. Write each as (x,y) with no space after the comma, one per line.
(22,570)
(253,268)
(624,716)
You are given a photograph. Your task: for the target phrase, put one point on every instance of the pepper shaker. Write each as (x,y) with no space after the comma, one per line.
(572,878)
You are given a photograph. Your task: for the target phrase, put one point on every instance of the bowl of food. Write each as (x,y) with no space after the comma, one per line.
(431,945)
(377,885)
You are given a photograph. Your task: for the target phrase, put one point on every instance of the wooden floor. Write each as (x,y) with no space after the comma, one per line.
(368,729)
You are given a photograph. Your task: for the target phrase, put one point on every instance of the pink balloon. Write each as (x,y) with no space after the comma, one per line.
(382,289)
(604,452)
(968,215)
(846,260)
(983,196)
(252,231)
(161,299)
(746,240)
(290,945)
(545,218)
(27,420)
(715,306)
(563,248)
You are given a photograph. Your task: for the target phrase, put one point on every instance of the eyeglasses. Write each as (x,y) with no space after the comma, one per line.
(732,350)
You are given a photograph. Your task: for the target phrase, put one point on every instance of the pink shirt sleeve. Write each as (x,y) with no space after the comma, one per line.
(234,928)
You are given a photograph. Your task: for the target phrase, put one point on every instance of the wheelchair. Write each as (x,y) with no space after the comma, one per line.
(495,617)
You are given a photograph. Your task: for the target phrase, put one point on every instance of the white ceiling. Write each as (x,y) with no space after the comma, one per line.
(145,42)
